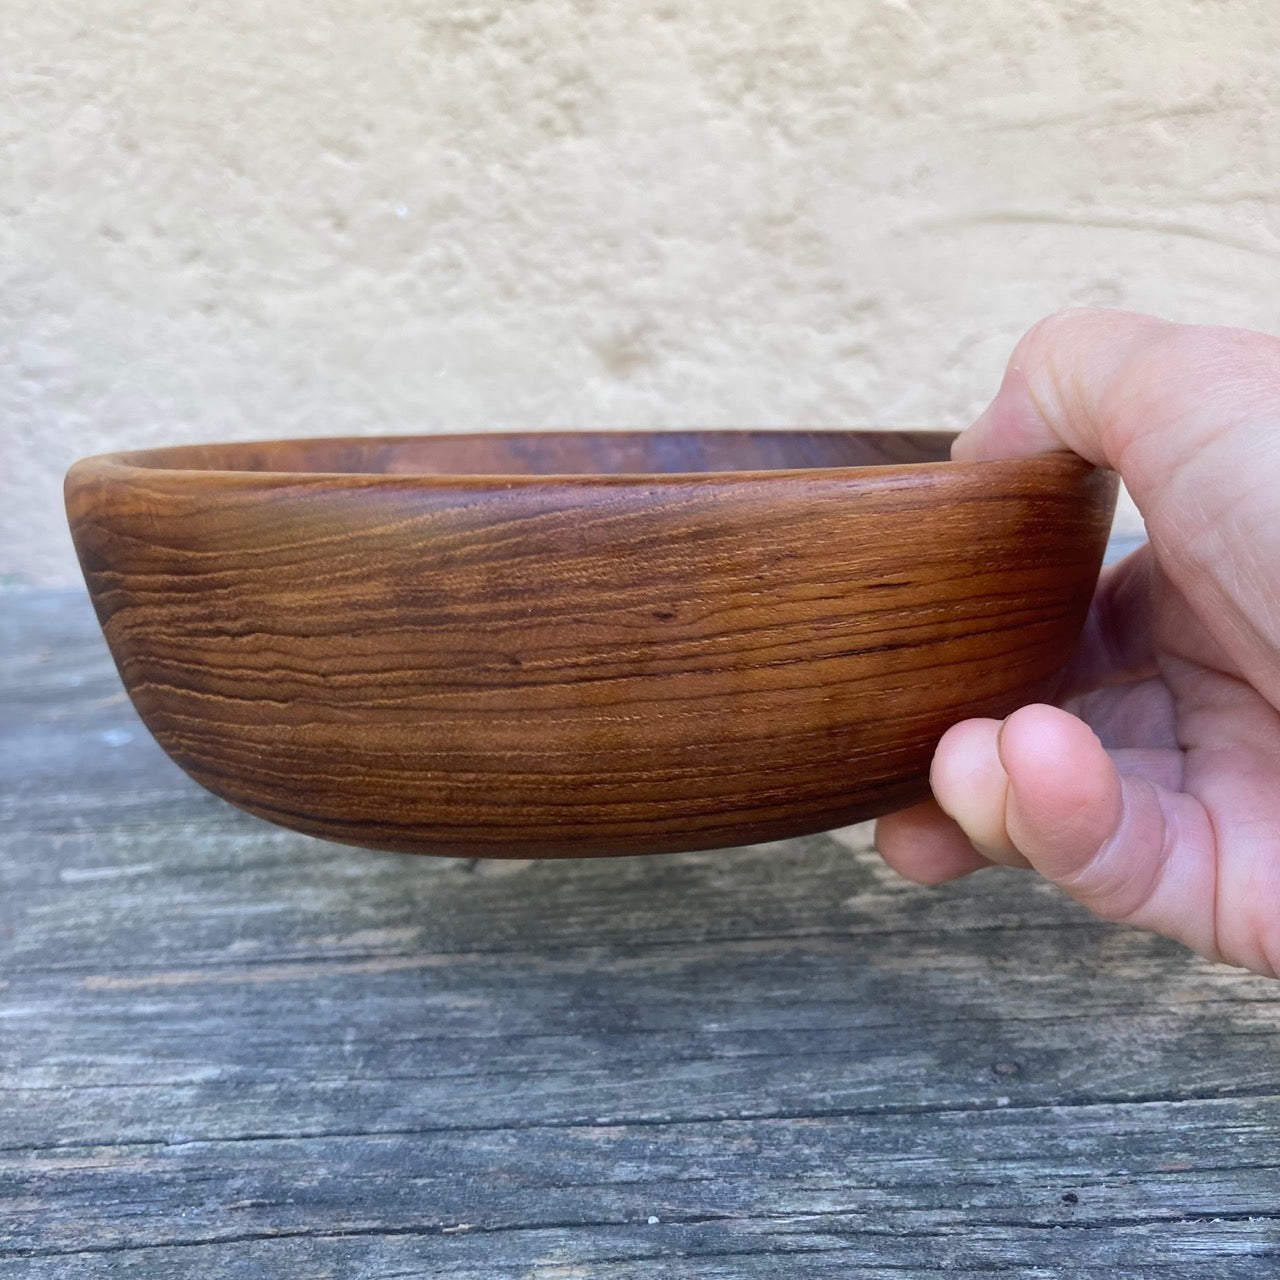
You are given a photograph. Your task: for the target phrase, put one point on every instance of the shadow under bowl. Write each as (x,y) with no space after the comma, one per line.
(560,644)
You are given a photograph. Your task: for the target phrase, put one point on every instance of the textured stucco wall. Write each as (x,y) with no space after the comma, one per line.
(241,219)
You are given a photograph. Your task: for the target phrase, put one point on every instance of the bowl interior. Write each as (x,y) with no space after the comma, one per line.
(563,453)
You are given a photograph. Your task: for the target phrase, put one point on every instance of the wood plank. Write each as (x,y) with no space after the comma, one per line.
(230,1050)
(798,1183)
(1142,1251)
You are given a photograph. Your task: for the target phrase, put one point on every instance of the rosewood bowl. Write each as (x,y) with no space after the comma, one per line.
(540,645)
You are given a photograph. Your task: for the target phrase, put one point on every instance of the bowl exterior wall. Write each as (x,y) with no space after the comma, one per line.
(547,667)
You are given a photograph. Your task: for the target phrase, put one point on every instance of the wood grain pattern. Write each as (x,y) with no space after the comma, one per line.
(233,1052)
(568,644)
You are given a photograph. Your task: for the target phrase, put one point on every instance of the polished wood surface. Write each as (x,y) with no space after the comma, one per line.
(566,644)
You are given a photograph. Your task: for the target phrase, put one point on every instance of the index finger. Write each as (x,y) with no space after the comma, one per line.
(1188,415)
(1126,391)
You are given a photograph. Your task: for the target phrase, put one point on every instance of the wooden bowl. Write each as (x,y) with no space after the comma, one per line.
(538,645)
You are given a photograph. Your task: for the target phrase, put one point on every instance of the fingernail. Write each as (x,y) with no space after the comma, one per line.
(996,426)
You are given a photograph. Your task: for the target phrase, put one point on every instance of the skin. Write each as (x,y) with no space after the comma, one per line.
(1151,792)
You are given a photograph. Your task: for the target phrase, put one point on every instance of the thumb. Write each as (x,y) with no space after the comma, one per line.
(1040,789)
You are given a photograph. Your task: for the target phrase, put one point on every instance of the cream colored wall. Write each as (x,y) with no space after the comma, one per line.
(242,219)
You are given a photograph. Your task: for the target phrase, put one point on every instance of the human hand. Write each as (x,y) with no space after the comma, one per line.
(1152,794)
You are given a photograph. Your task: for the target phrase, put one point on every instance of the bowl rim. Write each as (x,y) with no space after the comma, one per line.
(164,462)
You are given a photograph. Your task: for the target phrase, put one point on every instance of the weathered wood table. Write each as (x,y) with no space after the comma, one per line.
(227,1050)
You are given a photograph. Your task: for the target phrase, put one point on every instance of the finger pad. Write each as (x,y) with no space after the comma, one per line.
(924,845)
(969,780)
(1064,791)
